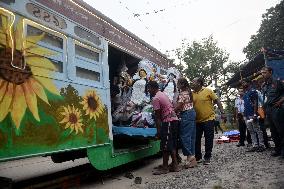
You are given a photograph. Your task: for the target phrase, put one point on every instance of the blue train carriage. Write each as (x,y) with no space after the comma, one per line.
(57,60)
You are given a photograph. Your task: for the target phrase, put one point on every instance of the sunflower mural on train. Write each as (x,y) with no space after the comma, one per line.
(39,114)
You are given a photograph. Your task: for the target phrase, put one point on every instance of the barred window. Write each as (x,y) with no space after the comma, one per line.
(50,46)
(87,63)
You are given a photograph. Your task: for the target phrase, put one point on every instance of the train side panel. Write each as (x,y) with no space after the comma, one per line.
(48,104)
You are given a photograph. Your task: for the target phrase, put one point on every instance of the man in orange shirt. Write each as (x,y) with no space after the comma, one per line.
(203,102)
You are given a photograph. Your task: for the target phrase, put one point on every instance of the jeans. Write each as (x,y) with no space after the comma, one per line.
(255,132)
(244,134)
(208,128)
(188,132)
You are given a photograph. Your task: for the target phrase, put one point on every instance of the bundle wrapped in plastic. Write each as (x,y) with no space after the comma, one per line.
(144,118)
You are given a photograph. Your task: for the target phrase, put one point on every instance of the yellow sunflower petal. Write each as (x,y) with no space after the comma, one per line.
(6,101)
(76,129)
(67,125)
(64,113)
(40,62)
(31,100)
(80,128)
(64,120)
(72,128)
(48,84)
(87,111)
(77,112)
(3,88)
(39,50)
(38,89)
(69,108)
(98,115)
(19,106)
(35,38)
(40,71)
(65,110)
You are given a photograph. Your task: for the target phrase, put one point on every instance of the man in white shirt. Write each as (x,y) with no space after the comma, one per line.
(239,110)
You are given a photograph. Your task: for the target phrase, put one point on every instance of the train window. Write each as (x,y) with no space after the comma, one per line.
(58,66)
(87,74)
(86,64)
(51,46)
(83,34)
(87,53)
(48,38)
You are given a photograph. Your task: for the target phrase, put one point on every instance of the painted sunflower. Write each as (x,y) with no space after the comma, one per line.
(19,87)
(92,104)
(72,119)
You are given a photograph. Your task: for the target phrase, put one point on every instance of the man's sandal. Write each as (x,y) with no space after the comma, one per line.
(161,166)
(176,169)
(161,172)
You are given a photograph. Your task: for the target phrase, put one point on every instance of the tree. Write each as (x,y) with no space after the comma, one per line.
(179,65)
(204,59)
(270,33)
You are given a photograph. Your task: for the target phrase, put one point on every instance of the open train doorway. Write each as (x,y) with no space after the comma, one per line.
(117,61)
(121,63)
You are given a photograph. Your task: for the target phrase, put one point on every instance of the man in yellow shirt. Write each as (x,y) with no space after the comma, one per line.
(203,102)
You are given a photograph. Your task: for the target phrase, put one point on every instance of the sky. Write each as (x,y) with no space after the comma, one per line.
(165,23)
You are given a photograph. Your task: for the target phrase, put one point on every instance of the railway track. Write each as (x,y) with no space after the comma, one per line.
(70,178)
(42,173)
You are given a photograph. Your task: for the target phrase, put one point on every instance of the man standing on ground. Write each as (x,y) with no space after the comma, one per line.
(251,117)
(203,102)
(167,127)
(274,109)
(239,112)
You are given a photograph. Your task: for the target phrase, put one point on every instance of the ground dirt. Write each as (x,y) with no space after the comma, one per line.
(231,167)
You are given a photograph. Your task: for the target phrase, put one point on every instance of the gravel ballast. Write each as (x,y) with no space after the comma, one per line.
(231,167)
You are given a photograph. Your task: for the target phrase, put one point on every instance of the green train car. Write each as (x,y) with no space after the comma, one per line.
(57,62)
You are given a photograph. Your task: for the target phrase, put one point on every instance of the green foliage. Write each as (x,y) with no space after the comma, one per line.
(204,59)
(270,33)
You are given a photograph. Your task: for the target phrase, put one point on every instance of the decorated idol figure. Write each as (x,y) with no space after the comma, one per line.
(170,87)
(139,91)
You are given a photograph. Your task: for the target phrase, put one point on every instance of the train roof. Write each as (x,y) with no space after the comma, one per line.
(107,19)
